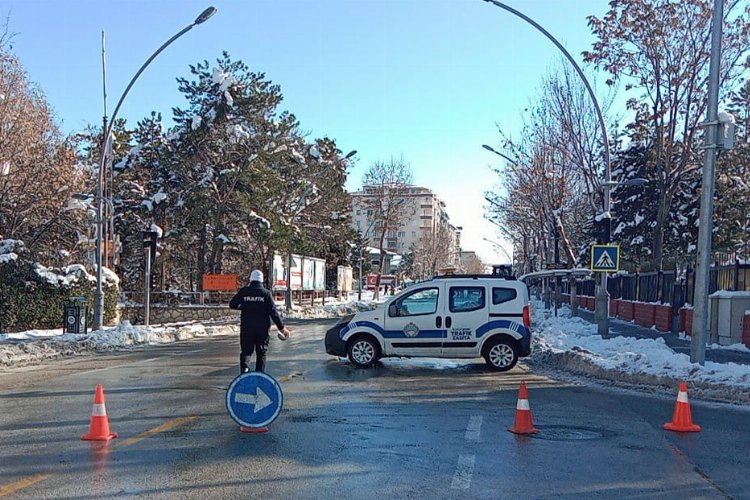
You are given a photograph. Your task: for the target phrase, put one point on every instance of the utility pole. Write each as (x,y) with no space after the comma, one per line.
(105,142)
(703,268)
(558,279)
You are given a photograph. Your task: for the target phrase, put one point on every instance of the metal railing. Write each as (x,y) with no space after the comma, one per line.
(211,298)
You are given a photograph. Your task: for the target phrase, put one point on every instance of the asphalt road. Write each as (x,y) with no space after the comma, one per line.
(403,429)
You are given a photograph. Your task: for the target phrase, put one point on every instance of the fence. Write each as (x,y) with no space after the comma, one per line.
(666,287)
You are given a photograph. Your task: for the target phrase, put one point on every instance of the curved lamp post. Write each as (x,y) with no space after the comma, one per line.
(99,294)
(498,153)
(602,297)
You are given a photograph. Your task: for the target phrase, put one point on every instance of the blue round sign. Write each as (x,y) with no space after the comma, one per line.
(254,399)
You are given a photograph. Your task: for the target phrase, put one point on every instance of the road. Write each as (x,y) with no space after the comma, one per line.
(403,429)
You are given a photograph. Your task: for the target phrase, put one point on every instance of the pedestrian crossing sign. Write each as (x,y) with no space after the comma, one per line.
(605,258)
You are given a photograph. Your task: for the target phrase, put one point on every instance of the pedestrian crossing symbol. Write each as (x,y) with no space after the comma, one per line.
(605,258)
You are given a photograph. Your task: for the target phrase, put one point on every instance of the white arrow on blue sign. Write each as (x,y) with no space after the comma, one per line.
(254,399)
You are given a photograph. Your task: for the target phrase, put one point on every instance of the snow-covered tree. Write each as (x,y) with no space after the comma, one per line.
(660,50)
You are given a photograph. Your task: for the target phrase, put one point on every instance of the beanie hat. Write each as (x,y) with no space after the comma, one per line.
(256,275)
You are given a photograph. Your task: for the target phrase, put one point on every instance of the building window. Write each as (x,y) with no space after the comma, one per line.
(358,224)
(413,234)
(359,212)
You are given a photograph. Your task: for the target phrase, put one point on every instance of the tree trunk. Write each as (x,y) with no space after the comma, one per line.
(382,264)
(661,221)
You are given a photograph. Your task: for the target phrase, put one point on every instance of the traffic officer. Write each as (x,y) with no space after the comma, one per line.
(258,309)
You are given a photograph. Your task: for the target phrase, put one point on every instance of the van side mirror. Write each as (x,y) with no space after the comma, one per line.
(393,311)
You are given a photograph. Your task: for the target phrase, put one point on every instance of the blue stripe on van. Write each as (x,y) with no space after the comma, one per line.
(434,334)
(510,325)
(392,334)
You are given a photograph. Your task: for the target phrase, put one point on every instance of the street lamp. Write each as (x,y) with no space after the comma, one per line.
(99,294)
(498,153)
(499,247)
(602,297)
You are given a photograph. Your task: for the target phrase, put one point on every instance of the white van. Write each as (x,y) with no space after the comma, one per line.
(457,316)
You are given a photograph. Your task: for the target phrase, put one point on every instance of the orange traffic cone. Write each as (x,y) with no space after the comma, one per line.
(523,423)
(99,429)
(254,430)
(682,420)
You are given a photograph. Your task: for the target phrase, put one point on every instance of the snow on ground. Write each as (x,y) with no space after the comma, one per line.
(334,308)
(564,342)
(36,346)
(573,344)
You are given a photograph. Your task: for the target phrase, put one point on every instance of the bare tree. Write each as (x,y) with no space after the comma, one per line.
(385,187)
(38,168)
(435,251)
(472,264)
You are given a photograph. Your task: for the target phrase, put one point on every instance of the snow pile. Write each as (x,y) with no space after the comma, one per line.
(573,344)
(330,310)
(36,346)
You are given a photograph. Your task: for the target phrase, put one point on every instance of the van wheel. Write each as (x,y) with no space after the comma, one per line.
(501,355)
(363,351)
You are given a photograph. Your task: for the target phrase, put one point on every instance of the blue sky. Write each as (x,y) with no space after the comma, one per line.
(426,80)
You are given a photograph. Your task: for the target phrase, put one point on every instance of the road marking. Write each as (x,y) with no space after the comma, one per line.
(156,430)
(149,360)
(474,428)
(22,483)
(25,482)
(464,471)
(292,375)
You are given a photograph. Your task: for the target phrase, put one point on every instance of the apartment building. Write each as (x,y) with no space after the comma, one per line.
(428,216)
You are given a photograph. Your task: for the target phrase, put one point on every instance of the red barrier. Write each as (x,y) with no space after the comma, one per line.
(663,317)
(746,330)
(689,321)
(644,314)
(613,305)
(625,310)
(681,327)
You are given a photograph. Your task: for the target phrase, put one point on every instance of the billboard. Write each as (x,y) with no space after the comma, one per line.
(220,282)
(385,279)
(308,273)
(344,279)
(320,274)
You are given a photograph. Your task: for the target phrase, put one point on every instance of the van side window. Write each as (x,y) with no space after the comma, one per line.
(502,295)
(466,298)
(417,303)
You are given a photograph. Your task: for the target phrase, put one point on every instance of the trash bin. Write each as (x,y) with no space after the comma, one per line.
(76,315)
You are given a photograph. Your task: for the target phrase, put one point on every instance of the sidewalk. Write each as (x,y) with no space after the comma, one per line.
(620,328)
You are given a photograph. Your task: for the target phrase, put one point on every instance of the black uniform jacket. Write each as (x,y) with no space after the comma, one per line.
(258,309)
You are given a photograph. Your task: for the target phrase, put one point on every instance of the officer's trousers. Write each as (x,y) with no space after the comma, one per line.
(258,343)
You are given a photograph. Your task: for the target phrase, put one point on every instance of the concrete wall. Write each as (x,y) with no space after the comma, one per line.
(160,314)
